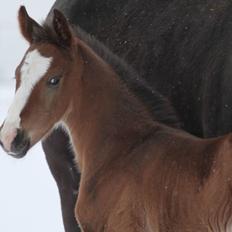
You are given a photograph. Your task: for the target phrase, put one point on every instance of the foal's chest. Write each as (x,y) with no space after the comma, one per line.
(110,207)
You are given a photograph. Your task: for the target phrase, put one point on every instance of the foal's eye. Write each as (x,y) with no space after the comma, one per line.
(54,81)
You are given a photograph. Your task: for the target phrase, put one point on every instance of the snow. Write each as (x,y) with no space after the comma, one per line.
(29,200)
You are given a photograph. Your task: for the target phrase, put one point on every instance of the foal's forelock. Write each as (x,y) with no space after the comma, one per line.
(34,67)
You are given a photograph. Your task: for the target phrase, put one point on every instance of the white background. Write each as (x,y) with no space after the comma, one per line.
(29,200)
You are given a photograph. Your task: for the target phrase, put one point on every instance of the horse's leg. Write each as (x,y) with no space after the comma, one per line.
(60,160)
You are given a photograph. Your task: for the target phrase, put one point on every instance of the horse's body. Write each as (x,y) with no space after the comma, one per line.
(137,174)
(185,52)
(181,48)
(175,185)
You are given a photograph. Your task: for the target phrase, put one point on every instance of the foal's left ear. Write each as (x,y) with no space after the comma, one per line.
(63,29)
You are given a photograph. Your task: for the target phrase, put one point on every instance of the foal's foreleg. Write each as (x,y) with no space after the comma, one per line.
(62,167)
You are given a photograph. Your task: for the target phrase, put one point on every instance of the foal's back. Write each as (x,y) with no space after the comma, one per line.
(183,183)
(174,182)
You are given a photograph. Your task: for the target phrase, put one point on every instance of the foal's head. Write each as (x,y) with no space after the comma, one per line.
(45,80)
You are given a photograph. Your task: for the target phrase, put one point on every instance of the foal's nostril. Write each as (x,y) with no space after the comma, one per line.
(19,138)
(21,142)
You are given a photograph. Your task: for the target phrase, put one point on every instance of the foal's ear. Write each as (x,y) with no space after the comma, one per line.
(28,26)
(62,29)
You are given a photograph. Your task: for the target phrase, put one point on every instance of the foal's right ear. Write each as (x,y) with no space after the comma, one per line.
(28,26)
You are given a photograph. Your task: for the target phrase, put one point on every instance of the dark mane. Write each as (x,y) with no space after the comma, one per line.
(159,107)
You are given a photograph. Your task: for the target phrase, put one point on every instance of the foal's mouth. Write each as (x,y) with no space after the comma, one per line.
(21,150)
(18,151)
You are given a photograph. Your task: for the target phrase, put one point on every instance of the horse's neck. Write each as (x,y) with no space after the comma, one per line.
(109,120)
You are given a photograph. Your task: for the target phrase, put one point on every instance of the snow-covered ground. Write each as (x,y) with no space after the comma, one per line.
(29,200)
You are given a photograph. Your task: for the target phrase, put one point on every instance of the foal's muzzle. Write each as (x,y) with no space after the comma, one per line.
(19,146)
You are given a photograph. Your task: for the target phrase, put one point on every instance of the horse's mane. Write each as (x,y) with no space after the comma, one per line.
(159,107)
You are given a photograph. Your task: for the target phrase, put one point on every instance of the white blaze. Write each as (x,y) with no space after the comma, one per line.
(33,69)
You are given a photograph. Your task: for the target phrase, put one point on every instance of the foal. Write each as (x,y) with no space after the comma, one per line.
(136,174)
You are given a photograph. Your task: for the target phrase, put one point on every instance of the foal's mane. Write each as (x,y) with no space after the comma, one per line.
(160,108)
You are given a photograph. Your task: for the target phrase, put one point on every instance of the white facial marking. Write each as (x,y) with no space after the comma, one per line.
(33,69)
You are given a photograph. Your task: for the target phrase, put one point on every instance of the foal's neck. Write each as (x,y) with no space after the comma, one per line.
(108,121)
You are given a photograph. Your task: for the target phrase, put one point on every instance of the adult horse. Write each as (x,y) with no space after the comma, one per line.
(157,171)
(181,47)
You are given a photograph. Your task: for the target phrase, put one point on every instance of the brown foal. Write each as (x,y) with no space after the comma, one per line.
(136,174)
